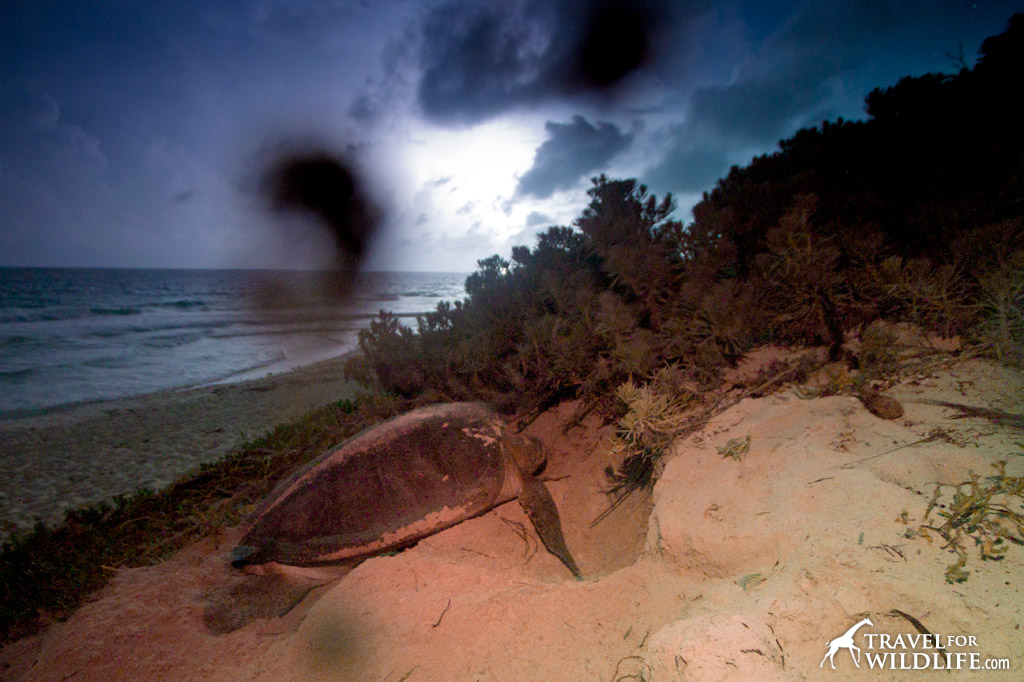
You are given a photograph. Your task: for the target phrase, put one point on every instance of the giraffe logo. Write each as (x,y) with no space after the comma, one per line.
(845,641)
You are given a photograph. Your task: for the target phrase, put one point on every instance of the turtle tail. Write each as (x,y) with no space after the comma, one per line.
(248,555)
(251,597)
(241,555)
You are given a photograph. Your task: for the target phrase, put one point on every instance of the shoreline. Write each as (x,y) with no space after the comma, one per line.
(84,453)
(283,364)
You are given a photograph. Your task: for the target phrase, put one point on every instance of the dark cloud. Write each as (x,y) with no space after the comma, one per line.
(109,109)
(478,59)
(726,122)
(761,110)
(383,92)
(693,163)
(365,109)
(182,197)
(53,180)
(35,134)
(796,69)
(536,218)
(571,151)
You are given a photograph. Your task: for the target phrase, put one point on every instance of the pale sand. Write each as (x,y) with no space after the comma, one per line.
(91,452)
(731,570)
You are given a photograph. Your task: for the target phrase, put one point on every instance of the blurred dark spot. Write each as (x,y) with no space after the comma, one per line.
(182,197)
(325,187)
(335,645)
(616,41)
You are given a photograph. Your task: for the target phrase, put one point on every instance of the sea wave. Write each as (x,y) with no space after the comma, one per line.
(422,293)
(27,302)
(184,304)
(70,335)
(268,362)
(163,327)
(173,340)
(16,376)
(127,310)
(15,341)
(286,331)
(109,362)
(54,312)
(44,315)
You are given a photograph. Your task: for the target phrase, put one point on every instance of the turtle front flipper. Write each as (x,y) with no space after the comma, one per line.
(540,507)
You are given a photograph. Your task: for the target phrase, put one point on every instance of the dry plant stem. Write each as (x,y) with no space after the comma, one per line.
(974,513)
(910,619)
(997,417)
(699,419)
(930,438)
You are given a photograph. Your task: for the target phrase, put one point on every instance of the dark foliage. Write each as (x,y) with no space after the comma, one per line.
(939,156)
(584,310)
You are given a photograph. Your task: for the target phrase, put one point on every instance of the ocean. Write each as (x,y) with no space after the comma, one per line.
(71,335)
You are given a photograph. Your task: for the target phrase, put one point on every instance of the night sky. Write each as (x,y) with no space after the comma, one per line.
(135,134)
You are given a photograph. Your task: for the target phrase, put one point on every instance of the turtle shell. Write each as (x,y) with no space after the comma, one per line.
(384,488)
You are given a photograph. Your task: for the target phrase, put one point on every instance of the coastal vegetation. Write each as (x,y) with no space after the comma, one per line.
(912,215)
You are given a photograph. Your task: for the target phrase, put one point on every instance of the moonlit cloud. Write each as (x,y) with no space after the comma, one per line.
(571,151)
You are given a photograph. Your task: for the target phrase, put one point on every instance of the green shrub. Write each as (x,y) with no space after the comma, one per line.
(1002,309)
(576,316)
(879,354)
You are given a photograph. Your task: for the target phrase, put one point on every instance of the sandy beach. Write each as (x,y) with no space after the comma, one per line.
(90,452)
(732,569)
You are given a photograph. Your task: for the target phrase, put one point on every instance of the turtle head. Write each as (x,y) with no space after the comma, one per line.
(527,451)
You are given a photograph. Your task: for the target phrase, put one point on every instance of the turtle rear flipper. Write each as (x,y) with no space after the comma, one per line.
(253,597)
(271,592)
(540,507)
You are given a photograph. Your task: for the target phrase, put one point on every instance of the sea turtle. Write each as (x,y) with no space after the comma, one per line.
(384,489)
